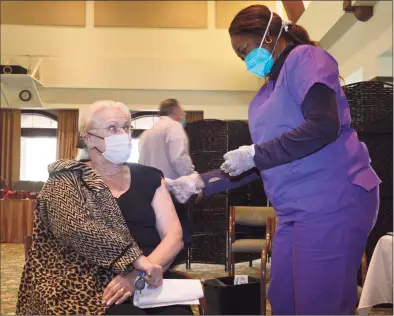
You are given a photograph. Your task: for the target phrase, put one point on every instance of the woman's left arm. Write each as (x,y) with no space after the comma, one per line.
(312,79)
(168,227)
(321,127)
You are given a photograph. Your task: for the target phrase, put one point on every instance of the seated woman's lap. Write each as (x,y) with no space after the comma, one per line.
(127,308)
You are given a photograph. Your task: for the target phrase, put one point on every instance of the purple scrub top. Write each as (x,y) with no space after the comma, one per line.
(304,187)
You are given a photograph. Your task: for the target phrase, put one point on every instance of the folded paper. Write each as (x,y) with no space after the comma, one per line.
(172,292)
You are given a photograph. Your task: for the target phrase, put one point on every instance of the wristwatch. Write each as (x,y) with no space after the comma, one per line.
(139,282)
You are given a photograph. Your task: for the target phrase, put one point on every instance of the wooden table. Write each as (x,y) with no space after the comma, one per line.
(16,220)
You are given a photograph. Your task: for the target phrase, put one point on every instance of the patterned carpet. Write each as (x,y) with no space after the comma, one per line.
(12,260)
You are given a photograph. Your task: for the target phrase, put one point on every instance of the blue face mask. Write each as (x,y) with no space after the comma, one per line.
(259,62)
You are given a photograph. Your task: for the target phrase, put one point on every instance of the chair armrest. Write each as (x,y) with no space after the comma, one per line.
(268,229)
(273,221)
(263,279)
(231,224)
(203,304)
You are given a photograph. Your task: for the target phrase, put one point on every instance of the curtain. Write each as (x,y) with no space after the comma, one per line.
(67,134)
(193,116)
(10,145)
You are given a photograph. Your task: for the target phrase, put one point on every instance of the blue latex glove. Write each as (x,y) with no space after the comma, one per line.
(238,161)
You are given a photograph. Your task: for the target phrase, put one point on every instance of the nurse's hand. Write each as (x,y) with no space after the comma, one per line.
(184,187)
(199,198)
(238,161)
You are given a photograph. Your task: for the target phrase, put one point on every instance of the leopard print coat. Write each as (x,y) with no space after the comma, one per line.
(80,242)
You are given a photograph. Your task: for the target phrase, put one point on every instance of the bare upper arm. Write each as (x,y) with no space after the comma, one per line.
(167,220)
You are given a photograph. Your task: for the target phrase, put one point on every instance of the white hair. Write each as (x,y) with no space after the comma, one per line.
(83,154)
(87,114)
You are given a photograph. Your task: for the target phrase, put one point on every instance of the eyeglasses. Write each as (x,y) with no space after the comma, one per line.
(113,129)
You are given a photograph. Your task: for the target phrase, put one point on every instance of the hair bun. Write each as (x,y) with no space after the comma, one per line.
(299,34)
(286,25)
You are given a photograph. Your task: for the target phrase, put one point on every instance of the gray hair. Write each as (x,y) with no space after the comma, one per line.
(168,106)
(86,116)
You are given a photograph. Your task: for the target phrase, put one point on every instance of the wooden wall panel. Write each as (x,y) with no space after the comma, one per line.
(151,14)
(51,13)
(226,10)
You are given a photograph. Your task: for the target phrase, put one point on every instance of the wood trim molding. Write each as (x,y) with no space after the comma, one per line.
(225,11)
(294,9)
(383,79)
(151,14)
(48,13)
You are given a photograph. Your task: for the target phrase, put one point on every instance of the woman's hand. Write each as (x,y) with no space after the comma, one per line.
(154,272)
(154,276)
(238,161)
(199,198)
(120,289)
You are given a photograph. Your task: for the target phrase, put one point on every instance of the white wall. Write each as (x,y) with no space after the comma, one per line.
(141,67)
(219,112)
(137,58)
(229,105)
(385,66)
(365,42)
(352,43)
(306,4)
(320,16)
(368,57)
(356,76)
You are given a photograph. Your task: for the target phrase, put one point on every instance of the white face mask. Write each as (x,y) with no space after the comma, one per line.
(117,148)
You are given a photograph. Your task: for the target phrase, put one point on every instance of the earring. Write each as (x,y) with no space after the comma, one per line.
(268,42)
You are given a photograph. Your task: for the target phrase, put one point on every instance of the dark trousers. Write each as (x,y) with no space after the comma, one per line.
(128,308)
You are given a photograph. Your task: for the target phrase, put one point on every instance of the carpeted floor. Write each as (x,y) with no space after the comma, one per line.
(12,260)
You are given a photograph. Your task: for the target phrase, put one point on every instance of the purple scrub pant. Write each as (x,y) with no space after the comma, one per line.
(315,261)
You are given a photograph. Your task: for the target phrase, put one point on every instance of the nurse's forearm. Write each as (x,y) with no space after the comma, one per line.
(321,127)
(216,181)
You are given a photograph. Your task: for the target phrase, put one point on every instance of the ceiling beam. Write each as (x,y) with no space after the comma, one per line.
(294,9)
(383,79)
(362,13)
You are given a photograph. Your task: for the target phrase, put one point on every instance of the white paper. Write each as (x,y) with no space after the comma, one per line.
(172,292)
(240,279)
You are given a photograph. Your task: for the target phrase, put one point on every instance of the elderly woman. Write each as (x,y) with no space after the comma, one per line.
(98,223)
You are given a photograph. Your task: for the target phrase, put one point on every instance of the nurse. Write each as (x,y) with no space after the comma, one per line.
(316,172)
